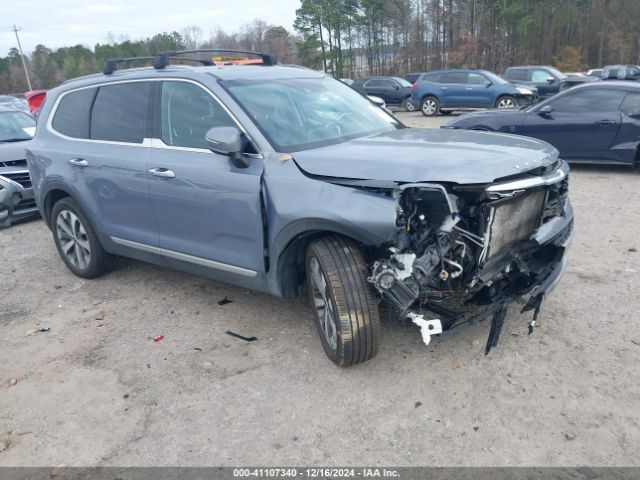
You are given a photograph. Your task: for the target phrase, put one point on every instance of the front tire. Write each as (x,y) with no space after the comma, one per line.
(77,242)
(344,304)
(429,106)
(506,101)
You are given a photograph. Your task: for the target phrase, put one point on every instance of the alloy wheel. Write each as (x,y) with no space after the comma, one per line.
(429,106)
(73,239)
(506,103)
(323,305)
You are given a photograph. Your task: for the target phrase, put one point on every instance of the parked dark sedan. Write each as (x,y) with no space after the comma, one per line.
(598,122)
(16,195)
(547,80)
(395,91)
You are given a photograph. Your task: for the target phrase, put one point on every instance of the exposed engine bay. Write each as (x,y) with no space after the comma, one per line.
(465,253)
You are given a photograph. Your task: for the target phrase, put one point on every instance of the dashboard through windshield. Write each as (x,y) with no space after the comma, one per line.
(304,113)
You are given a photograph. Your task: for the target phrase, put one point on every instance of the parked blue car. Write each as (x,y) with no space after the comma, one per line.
(446,90)
(597,123)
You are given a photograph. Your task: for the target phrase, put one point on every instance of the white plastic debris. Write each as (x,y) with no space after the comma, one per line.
(427,327)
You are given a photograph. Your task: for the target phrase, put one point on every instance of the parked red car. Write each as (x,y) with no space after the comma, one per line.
(34,99)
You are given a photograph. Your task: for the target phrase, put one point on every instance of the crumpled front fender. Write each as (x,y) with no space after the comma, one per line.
(9,198)
(11,194)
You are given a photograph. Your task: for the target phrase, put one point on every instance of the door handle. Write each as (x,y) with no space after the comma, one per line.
(79,162)
(162,172)
(468,88)
(444,88)
(606,123)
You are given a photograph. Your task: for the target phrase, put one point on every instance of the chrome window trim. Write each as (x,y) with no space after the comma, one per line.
(145,143)
(185,257)
(540,181)
(159,143)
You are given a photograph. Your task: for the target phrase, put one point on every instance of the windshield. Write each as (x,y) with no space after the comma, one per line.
(494,78)
(303,113)
(16,126)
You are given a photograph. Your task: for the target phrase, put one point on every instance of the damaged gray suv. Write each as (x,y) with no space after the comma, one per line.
(282,179)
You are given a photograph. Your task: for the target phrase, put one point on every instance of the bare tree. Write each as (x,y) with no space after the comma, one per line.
(192,37)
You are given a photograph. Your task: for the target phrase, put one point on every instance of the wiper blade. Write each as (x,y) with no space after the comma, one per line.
(8,140)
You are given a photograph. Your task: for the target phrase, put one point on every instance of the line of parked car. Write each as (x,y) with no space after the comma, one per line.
(443,91)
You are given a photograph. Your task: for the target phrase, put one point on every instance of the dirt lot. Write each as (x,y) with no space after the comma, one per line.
(97,390)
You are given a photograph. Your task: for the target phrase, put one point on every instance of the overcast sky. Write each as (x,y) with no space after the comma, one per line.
(59,23)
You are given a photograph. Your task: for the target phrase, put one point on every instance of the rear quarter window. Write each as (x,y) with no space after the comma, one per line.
(432,77)
(71,118)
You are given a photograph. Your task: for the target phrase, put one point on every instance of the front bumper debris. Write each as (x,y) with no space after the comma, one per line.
(427,327)
(16,202)
(465,257)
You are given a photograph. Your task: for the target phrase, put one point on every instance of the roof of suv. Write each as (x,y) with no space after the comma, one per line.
(531,66)
(235,72)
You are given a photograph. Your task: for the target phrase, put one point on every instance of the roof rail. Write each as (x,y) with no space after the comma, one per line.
(111,64)
(163,59)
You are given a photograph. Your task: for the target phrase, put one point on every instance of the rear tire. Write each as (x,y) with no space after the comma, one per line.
(429,106)
(408,105)
(344,304)
(77,242)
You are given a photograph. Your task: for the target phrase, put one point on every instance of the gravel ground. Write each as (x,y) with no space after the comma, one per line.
(97,390)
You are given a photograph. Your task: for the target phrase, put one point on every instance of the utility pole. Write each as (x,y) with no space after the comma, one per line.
(24,64)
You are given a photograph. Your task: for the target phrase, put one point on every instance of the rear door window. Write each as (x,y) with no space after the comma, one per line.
(72,115)
(454,77)
(120,112)
(187,113)
(375,83)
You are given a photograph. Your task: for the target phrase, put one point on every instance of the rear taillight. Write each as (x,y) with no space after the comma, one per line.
(414,85)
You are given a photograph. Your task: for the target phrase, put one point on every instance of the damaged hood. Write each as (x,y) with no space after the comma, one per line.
(428,155)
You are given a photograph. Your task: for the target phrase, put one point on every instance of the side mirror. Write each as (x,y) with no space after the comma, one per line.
(550,79)
(487,84)
(396,87)
(546,110)
(228,141)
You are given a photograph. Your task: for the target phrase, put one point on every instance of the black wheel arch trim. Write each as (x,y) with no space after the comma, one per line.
(45,209)
(289,246)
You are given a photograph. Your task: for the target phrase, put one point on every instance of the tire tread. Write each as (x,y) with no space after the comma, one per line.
(355,301)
